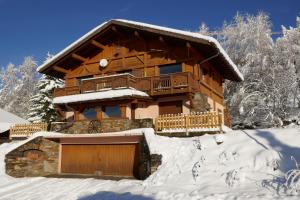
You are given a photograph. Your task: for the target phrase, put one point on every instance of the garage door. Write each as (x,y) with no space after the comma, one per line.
(100,159)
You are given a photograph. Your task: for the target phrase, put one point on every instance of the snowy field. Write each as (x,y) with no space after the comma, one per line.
(247,165)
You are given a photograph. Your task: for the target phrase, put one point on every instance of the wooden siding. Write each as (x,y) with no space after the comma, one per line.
(105,159)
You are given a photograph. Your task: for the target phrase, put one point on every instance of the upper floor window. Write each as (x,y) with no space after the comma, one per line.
(170,69)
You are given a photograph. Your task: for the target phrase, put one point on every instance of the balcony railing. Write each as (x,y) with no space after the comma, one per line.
(194,122)
(155,85)
(26,130)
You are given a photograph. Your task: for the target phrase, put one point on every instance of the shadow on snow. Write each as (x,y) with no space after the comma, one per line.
(285,152)
(106,195)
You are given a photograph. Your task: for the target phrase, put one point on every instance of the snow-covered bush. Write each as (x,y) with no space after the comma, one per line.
(234,177)
(292,180)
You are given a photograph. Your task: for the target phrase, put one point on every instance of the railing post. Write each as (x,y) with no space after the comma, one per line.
(151,86)
(220,121)
(127,79)
(171,83)
(187,124)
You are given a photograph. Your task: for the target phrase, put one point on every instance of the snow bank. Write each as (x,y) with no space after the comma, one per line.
(105,94)
(242,167)
(8,119)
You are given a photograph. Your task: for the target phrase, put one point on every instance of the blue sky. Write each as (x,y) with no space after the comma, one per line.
(34,27)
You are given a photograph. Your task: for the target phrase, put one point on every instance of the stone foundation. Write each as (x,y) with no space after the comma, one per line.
(38,157)
(155,162)
(105,126)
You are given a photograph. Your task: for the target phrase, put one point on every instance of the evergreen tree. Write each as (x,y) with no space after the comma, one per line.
(41,106)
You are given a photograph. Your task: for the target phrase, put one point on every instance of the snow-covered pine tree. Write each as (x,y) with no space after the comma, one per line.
(41,106)
(203,29)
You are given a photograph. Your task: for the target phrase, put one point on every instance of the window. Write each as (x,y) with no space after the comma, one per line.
(80,79)
(89,114)
(111,111)
(125,72)
(169,69)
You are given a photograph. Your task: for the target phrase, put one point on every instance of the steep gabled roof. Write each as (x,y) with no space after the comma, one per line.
(186,35)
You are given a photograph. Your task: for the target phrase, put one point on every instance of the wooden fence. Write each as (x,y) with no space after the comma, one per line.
(26,130)
(198,122)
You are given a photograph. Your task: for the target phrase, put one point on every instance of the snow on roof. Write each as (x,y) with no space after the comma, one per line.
(197,37)
(7,119)
(104,94)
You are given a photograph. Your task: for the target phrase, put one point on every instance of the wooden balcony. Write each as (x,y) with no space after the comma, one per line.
(194,122)
(26,130)
(156,85)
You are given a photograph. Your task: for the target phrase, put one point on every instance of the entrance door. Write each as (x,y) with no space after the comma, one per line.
(170,107)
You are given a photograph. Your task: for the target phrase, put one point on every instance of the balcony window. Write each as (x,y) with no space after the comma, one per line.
(89,114)
(111,111)
(170,69)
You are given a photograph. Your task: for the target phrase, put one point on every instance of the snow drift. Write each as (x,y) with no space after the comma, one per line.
(246,165)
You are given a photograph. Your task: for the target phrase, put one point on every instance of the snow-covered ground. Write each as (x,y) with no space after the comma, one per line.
(247,165)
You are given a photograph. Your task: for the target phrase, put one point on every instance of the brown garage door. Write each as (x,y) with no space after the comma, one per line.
(105,159)
(170,107)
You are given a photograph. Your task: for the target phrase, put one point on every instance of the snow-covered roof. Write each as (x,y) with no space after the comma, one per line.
(101,95)
(191,36)
(7,119)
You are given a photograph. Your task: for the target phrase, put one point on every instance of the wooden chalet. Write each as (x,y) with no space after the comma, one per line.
(125,71)
(132,70)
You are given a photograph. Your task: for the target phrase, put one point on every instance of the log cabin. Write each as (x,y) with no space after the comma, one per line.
(131,70)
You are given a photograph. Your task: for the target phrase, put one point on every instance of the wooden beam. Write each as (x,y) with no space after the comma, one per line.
(114,28)
(60,69)
(188,45)
(78,57)
(97,44)
(136,34)
(161,39)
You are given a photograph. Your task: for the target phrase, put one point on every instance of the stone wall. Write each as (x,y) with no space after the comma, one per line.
(38,157)
(155,162)
(104,126)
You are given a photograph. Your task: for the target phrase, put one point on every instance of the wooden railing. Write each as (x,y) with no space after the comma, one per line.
(26,130)
(155,85)
(194,122)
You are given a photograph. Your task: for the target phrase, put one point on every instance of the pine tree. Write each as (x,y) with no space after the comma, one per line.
(41,106)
